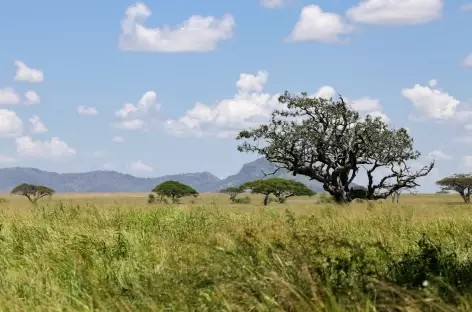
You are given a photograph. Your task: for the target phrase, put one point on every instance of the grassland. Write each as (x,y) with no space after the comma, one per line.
(114,252)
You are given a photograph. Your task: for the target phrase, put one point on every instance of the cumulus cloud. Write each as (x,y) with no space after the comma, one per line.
(37,126)
(316,25)
(139,166)
(32,97)
(196,34)
(431,102)
(132,115)
(440,155)
(54,149)
(91,111)
(396,12)
(249,107)
(9,97)
(245,109)
(27,74)
(10,124)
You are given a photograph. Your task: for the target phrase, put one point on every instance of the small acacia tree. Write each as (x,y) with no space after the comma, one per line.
(32,192)
(327,141)
(280,188)
(174,190)
(232,191)
(460,183)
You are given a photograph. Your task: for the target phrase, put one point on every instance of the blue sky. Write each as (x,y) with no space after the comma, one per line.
(67,71)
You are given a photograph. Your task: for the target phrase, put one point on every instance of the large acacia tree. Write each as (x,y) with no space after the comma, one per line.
(32,192)
(460,183)
(328,141)
(280,188)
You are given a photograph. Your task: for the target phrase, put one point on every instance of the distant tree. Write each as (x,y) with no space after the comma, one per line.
(329,142)
(174,190)
(232,191)
(460,183)
(33,192)
(151,198)
(280,188)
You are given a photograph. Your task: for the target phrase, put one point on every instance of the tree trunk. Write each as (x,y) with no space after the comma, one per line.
(266,200)
(466,198)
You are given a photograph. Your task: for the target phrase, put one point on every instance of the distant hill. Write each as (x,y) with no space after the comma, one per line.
(114,182)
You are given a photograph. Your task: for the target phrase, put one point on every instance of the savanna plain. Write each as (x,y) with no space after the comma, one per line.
(116,252)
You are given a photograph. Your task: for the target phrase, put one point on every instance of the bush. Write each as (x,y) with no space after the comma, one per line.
(3,200)
(244,200)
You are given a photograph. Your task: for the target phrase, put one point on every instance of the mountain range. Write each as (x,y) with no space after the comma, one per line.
(115,182)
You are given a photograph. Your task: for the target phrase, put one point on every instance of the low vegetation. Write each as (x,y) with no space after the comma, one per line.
(124,255)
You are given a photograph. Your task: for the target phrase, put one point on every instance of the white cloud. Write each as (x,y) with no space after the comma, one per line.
(9,97)
(249,107)
(32,97)
(365,104)
(82,110)
(10,124)
(432,83)
(270,4)
(382,116)
(316,25)
(432,103)
(53,149)
(396,12)
(134,124)
(118,139)
(196,34)
(140,166)
(132,115)
(24,73)
(468,61)
(5,160)
(37,126)
(440,155)
(326,92)
(466,7)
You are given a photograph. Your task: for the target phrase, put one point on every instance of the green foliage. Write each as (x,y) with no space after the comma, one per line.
(174,190)
(232,191)
(460,183)
(151,198)
(280,188)
(243,200)
(327,141)
(32,192)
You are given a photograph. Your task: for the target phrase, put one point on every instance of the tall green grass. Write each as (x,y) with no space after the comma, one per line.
(114,257)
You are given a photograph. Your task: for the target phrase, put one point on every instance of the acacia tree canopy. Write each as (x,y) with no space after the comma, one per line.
(32,192)
(460,183)
(327,141)
(280,188)
(232,191)
(174,190)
